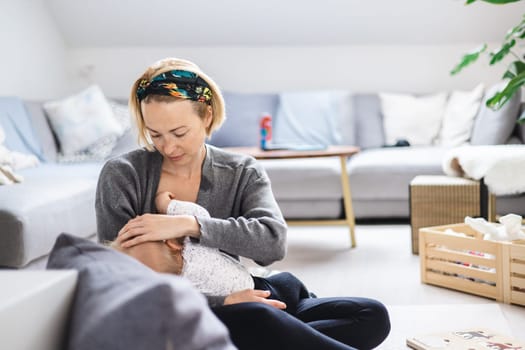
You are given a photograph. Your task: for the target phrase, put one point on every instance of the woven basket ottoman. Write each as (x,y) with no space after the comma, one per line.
(440,200)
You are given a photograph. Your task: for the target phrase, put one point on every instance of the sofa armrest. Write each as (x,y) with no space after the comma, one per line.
(38,303)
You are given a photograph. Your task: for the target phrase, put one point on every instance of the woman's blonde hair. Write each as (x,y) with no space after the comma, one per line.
(165,65)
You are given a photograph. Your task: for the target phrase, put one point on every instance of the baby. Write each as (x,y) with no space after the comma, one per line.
(211,271)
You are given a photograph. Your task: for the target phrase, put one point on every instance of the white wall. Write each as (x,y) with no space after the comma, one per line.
(418,69)
(36,64)
(32,51)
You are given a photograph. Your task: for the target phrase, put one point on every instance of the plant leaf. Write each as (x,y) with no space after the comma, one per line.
(497,56)
(469,2)
(515,68)
(521,119)
(515,31)
(500,2)
(468,59)
(502,97)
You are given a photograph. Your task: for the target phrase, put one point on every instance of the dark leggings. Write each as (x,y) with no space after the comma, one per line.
(308,323)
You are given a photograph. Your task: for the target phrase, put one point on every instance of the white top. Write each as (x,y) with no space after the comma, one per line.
(211,271)
(443,180)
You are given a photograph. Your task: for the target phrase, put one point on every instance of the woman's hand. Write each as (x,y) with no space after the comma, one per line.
(253,295)
(156,227)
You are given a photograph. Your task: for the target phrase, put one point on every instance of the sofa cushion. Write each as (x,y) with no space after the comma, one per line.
(103,148)
(313,117)
(51,199)
(368,119)
(43,130)
(460,113)
(243,112)
(122,304)
(311,208)
(381,208)
(416,119)
(320,178)
(495,127)
(521,127)
(82,120)
(20,134)
(385,173)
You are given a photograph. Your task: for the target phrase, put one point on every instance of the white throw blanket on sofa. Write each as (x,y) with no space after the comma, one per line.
(11,160)
(502,167)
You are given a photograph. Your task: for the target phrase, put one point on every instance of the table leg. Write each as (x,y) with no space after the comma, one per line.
(492,208)
(347,200)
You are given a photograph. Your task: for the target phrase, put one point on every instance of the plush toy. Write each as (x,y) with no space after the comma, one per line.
(10,160)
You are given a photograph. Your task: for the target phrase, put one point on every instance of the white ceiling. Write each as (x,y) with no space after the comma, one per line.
(111,23)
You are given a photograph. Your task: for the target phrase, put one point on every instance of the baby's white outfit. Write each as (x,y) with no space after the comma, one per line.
(211,271)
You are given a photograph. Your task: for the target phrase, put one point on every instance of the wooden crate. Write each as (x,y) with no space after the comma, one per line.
(514,272)
(471,264)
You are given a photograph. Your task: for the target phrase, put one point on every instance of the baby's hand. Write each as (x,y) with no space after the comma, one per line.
(162,200)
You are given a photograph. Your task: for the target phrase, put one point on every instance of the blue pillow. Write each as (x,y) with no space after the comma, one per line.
(17,126)
(243,111)
(120,303)
(312,117)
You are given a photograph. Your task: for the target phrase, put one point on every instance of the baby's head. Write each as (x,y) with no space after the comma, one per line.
(160,256)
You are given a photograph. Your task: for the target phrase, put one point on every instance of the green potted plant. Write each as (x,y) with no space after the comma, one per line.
(516,70)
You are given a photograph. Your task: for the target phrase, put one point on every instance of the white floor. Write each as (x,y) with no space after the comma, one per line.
(383,267)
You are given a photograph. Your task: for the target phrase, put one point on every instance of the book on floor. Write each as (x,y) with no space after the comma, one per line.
(470,339)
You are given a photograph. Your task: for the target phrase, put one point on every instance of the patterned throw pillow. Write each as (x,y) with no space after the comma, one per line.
(101,149)
(83,120)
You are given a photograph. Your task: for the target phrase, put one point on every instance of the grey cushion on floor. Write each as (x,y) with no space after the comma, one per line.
(122,304)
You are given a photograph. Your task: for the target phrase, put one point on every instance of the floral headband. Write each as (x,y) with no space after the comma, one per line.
(177,83)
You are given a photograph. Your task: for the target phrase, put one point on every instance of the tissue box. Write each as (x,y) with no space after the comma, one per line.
(470,264)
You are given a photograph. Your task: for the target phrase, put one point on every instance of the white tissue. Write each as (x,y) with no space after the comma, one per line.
(508,230)
(512,224)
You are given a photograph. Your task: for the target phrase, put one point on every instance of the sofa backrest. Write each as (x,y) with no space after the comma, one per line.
(368,120)
(496,127)
(28,129)
(243,111)
(18,127)
(520,129)
(314,117)
(43,130)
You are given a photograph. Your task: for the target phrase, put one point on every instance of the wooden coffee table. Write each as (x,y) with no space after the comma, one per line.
(343,152)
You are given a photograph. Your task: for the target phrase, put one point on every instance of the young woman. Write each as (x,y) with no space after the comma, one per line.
(176,107)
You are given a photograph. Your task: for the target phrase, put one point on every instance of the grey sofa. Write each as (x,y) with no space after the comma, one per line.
(379,176)
(57,197)
(54,197)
